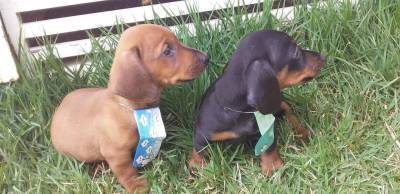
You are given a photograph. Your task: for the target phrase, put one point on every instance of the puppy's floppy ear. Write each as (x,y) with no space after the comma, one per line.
(263,92)
(129,77)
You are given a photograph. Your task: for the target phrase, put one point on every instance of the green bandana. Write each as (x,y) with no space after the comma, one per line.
(266,126)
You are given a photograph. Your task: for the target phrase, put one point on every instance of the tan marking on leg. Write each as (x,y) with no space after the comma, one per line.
(300,131)
(225,135)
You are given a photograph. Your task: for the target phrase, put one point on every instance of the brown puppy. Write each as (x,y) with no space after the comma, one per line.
(97,124)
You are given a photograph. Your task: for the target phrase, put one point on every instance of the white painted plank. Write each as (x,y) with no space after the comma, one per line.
(81,47)
(31,5)
(130,15)
(8,70)
(286,13)
(69,49)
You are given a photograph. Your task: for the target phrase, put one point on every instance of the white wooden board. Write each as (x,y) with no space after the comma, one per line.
(8,71)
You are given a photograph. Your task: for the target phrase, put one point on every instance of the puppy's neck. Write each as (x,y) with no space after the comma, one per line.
(140,95)
(143,99)
(136,103)
(133,82)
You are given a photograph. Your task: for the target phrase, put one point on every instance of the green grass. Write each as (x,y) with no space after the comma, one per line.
(352,108)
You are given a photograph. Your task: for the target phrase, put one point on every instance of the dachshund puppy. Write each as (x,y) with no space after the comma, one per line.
(264,63)
(97,124)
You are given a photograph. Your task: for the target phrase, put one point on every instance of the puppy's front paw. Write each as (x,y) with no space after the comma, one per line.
(270,162)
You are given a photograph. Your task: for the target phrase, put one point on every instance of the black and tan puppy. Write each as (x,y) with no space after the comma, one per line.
(97,124)
(264,63)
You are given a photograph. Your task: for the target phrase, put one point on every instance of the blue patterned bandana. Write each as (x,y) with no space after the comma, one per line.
(151,134)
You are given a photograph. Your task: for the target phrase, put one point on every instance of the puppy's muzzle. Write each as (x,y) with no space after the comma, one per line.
(202,60)
(317,63)
(320,63)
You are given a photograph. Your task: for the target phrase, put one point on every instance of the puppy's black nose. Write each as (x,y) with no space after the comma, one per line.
(206,60)
(203,58)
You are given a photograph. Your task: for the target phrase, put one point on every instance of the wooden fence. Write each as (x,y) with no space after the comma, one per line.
(67,22)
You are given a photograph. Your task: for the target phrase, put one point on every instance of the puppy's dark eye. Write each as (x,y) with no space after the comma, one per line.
(168,51)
